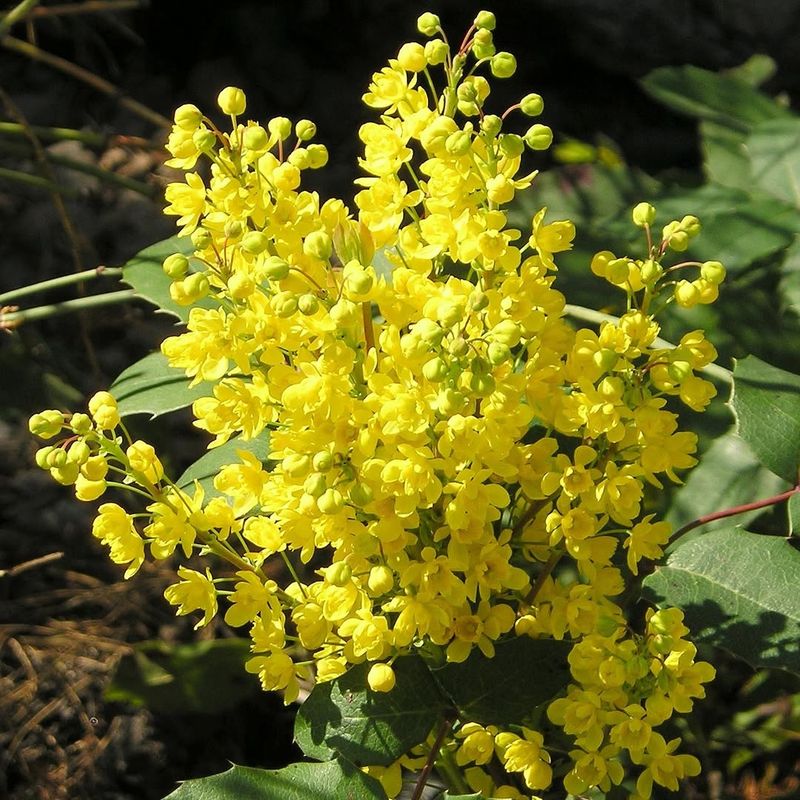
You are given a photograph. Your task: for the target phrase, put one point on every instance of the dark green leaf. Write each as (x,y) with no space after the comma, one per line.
(728,475)
(369,727)
(774,149)
(144,274)
(523,674)
(739,592)
(201,677)
(333,779)
(706,95)
(206,468)
(766,401)
(152,386)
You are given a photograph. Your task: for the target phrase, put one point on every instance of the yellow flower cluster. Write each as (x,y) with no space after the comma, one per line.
(441,437)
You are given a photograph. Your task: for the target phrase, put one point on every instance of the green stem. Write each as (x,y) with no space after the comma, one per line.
(84,75)
(36,181)
(451,772)
(90,169)
(89,138)
(17,14)
(14,319)
(64,280)
(597,317)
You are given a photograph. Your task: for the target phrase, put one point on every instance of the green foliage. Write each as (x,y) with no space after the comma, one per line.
(766,401)
(334,779)
(200,677)
(738,591)
(524,674)
(346,717)
(208,465)
(152,386)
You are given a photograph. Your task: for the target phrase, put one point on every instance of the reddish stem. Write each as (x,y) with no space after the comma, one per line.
(731,512)
(441,735)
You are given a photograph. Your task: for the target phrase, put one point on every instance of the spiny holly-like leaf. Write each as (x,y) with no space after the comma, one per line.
(728,475)
(152,386)
(706,95)
(739,591)
(206,468)
(332,779)
(523,674)
(366,727)
(766,401)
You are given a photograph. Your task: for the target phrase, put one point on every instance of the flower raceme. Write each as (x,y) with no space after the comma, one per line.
(440,436)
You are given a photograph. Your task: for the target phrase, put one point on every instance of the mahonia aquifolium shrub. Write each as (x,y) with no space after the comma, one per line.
(440,436)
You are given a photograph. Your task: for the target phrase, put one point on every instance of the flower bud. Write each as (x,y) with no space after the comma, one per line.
(458,143)
(204,140)
(275,268)
(617,271)
(201,238)
(323,461)
(381,678)
(331,502)
(491,125)
(485,20)
(233,230)
(428,24)
(506,332)
(308,304)
(254,242)
(305,130)
(280,128)
(317,156)
(481,384)
(255,138)
(345,312)
(498,353)
(43,455)
(686,294)
(412,57)
(643,214)
(532,105)
(86,490)
(338,574)
(284,304)
(538,137)
(360,494)
(188,117)
(79,452)
(380,580)
(95,468)
(503,65)
(319,245)
(436,52)
(46,424)
(651,271)
(512,145)
(103,408)
(315,484)
(499,189)
(176,266)
(435,370)
(232,101)
(67,474)
(296,465)
(143,460)
(712,271)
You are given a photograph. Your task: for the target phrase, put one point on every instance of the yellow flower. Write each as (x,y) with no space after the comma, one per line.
(195,592)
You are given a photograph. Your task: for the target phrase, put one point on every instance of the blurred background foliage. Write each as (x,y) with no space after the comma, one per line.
(691,105)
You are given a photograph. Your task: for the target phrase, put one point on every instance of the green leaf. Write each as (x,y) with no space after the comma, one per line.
(144,274)
(737,229)
(725,158)
(201,678)
(774,148)
(789,286)
(738,591)
(152,386)
(766,402)
(369,727)
(506,689)
(332,779)
(206,468)
(793,514)
(758,69)
(728,475)
(699,93)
